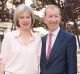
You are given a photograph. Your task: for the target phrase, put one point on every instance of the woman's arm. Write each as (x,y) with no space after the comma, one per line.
(1,67)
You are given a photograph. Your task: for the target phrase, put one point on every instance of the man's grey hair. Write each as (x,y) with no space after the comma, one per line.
(52,7)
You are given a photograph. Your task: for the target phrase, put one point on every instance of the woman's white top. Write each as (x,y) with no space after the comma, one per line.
(21,58)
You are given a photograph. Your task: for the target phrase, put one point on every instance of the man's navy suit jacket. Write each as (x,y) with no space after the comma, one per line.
(63,59)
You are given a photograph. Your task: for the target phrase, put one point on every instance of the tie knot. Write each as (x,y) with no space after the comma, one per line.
(50,34)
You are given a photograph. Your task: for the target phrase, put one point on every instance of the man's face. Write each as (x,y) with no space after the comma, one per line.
(52,18)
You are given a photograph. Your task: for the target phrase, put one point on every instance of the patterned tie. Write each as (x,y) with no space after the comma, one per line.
(49,45)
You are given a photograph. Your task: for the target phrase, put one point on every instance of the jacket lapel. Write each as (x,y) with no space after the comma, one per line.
(56,45)
(44,47)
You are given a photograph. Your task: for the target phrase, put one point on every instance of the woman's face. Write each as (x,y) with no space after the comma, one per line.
(24,20)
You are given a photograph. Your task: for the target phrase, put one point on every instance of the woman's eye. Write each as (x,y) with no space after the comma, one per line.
(24,17)
(27,17)
(21,17)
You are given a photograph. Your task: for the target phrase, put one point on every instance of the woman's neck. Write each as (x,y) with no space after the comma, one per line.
(25,36)
(25,33)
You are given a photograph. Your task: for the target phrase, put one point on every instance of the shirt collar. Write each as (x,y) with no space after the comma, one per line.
(56,31)
(17,33)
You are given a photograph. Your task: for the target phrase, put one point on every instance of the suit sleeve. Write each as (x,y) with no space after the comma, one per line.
(72,56)
(5,49)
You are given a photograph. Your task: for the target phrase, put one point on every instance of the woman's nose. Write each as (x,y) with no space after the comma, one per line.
(25,19)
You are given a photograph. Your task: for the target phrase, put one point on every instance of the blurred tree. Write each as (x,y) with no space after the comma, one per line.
(39,4)
(17,2)
(3,11)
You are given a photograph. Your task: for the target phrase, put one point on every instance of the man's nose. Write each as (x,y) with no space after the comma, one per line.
(53,18)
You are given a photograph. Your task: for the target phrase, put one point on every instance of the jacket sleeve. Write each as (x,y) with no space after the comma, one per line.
(72,56)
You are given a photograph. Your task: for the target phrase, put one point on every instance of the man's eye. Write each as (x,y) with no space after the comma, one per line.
(56,16)
(50,16)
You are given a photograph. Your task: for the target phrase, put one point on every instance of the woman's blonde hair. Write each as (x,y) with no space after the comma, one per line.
(23,8)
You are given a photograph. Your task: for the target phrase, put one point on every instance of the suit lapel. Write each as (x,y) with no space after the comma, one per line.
(44,47)
(56,45)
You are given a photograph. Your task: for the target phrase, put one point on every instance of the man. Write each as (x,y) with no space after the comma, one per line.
(58,47)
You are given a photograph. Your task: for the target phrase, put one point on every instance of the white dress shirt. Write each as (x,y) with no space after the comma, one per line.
(54,36)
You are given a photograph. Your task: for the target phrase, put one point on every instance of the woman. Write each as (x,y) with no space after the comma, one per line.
(21,48)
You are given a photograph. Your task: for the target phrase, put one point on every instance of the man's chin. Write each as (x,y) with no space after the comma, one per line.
(51,29)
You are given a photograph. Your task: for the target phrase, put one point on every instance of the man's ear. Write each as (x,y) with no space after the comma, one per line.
(43,18)
(60,17)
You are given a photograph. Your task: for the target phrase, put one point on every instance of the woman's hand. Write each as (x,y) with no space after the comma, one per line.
(1,67)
